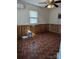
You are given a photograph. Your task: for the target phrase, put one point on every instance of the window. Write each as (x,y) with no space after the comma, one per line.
(33,17)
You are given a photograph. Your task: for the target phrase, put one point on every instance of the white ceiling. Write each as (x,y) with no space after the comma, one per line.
(36,2)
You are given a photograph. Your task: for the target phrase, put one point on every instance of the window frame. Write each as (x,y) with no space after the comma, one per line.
(33,18)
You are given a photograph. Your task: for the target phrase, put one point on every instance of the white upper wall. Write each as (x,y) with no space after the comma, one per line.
(23,15)
(53,16)
(45,15)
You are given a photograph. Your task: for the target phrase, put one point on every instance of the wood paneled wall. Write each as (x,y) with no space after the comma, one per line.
(55,28)
(22,29)
(40,28)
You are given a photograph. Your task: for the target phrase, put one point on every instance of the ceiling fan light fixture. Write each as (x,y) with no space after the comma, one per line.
(50,6)
(50,0)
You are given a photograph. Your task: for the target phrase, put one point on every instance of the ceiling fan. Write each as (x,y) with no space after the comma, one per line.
(51,3)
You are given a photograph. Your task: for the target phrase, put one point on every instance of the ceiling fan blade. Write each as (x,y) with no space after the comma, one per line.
(57,1)
(55,5)
(46,5)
